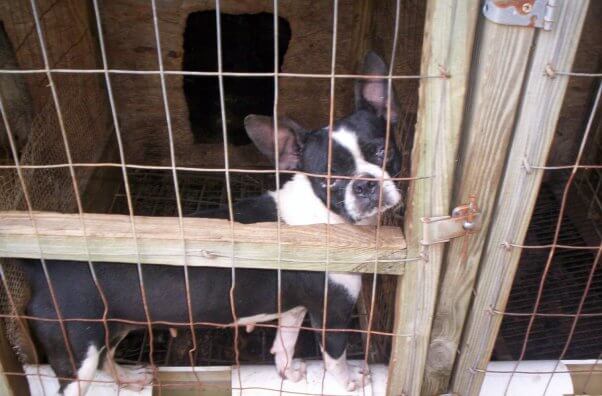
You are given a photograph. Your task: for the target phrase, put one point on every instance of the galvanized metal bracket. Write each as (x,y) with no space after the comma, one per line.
(529,13)
(464,219)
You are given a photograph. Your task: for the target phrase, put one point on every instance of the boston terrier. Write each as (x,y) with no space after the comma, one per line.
(358,152)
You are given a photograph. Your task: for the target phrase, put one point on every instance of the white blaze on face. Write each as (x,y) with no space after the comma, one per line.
(299,205)
(391,195)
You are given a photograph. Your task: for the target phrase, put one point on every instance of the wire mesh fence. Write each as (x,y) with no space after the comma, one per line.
(553,311)
(187,197)
(560,281)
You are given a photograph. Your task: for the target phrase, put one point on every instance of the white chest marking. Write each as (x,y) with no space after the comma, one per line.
(300,206)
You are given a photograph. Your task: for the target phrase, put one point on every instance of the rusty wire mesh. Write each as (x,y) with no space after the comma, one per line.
(144,189)
(553,312)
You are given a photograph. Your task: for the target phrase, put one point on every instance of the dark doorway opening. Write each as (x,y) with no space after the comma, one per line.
(247,46)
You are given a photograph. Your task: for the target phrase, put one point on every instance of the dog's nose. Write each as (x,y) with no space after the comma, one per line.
(365,188)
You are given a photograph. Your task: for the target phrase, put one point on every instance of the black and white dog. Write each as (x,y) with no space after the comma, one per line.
(358,150)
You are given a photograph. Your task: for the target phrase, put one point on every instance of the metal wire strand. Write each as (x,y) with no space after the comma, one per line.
(335,12)
(172,156)
(122,166)
(279,332)
(193,169)
(216,74)
(199,323)
(222,102)
(380,194)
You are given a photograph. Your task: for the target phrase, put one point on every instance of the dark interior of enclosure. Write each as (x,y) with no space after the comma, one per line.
(247,46)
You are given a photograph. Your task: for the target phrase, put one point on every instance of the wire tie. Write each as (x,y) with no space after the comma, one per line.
(443,72)
(207,254)
(424,255)
(527,166)
(550,71)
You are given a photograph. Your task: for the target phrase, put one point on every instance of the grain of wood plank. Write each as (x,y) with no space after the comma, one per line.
(501,58)
(208,242)
(538,115)
(447,49)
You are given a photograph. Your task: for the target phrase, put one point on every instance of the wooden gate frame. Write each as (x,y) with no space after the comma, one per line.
(512,106)
(537,117)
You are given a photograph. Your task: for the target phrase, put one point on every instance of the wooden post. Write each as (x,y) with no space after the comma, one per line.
(499,67)
(447,50)
(535,127)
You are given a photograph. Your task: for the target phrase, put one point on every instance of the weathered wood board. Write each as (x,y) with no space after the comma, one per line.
(499,68)
(447,50)
(208,242)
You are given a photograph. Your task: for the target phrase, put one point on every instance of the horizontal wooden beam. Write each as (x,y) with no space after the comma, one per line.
(208,242)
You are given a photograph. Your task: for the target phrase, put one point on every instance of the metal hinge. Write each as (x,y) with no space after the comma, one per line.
(531,13)
(464,219)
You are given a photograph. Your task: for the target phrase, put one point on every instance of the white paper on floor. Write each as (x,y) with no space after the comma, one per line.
(255,380)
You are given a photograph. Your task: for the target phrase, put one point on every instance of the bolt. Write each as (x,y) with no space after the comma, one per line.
(527,8)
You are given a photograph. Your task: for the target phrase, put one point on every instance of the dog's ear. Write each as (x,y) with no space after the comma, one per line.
(261,131)
(371,94)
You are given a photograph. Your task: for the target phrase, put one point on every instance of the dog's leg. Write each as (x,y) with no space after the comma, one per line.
(85,373)
(340,308)
(335,361)
(85,341)
(283,348)
(134,378)
(346,376)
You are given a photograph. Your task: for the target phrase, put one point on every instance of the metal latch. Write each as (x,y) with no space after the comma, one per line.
(531,13)
(464,219)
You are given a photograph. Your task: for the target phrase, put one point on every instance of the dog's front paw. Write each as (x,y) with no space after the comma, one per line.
(134,378)
(295,371)
(358,378)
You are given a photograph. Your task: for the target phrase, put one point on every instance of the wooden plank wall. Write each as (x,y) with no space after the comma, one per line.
(541,101)
(447,48)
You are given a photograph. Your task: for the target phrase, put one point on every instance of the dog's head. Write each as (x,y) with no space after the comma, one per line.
(358,149)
